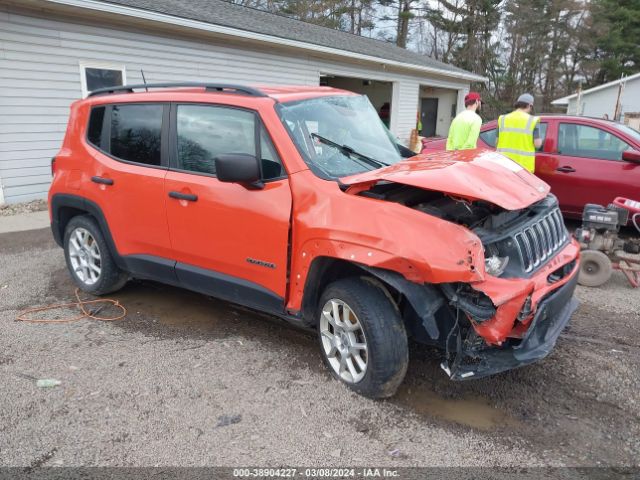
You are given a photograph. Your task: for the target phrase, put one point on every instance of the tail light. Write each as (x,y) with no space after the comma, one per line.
(53,166)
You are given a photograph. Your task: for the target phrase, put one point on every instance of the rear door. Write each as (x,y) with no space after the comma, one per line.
(127,177)
(230,241)
(586,166)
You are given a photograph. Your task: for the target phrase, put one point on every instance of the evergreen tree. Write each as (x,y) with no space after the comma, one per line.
(619,42)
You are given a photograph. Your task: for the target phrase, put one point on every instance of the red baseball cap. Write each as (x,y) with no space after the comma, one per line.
(472,97)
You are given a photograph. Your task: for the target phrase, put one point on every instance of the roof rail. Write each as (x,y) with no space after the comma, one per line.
(217,87)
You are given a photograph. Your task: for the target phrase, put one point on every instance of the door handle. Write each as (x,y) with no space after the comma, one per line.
(189,197)
(566,169)
(102,180)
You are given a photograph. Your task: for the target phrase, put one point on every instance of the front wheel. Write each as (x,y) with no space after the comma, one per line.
(362,337)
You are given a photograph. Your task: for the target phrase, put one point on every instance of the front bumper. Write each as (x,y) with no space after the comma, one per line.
(552,316)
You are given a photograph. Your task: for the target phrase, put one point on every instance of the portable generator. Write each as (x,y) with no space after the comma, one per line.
(600,241)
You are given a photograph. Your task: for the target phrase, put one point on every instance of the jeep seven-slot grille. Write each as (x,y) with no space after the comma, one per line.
(541,240)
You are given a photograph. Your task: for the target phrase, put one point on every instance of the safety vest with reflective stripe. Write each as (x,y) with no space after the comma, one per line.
(515,138)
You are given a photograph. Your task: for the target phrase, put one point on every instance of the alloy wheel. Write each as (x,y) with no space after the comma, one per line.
(343,341)
(84,255)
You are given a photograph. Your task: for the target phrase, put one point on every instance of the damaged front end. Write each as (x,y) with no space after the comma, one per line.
(471,356)
(502,302)
(513,317)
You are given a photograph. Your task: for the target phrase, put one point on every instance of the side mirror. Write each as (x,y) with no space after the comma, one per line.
(631,156)
(239,168)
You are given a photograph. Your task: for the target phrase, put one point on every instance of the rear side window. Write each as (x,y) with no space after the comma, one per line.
(136,133)
(96,122)
(490,137)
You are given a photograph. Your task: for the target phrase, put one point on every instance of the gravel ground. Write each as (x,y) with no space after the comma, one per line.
(186,380)
(16,208)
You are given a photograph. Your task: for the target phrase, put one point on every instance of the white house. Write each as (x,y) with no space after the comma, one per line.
(601,100)
(53,51)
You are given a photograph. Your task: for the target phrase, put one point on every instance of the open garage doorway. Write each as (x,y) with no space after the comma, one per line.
(379,92)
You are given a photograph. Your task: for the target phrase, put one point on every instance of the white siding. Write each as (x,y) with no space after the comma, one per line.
(40,76)
(596,104)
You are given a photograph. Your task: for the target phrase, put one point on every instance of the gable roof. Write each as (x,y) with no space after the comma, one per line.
(277,27)
(565,100)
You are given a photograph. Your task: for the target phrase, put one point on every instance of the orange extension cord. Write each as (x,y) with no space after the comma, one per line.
(23,316)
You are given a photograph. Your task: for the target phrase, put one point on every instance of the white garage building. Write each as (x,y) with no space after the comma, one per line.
(601,100)
(53,51)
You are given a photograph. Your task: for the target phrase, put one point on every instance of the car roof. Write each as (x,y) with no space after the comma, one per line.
(210,91)
(561,116)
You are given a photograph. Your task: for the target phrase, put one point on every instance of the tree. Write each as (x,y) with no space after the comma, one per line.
(403,13)
(618,45)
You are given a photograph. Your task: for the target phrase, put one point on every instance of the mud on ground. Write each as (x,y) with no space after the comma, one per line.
(188,380)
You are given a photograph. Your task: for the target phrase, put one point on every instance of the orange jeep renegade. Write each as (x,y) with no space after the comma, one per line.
(297,201)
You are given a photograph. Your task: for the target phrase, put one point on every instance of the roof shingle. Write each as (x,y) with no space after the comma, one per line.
(224,13)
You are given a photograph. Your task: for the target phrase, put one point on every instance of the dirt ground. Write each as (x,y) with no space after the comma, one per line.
(188,380)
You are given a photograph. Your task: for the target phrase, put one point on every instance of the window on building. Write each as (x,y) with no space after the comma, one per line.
(94,77)
(136,132)
(591,142)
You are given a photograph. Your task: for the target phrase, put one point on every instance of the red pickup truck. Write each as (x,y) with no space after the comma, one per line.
(584,160)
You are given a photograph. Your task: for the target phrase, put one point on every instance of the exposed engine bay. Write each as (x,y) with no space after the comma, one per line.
(480,215)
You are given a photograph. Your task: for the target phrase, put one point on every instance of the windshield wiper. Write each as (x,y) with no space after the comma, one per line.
(347,151)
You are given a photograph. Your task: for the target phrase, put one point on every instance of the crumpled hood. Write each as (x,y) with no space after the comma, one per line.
(472,174)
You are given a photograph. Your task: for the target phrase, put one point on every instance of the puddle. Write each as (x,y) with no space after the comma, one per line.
(471,412)
(177,308)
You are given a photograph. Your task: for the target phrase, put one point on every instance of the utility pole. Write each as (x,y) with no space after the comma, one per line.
(618,110)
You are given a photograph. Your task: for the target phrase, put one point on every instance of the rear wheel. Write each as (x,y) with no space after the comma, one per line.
(88,258)
(362,337)
(595,268)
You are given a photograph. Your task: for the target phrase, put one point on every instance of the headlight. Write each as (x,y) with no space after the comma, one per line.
(495,265)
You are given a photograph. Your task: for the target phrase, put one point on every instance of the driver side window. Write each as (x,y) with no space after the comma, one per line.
(591,142)
(204,132)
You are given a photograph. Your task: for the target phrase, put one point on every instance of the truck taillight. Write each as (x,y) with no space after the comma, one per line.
(53,166)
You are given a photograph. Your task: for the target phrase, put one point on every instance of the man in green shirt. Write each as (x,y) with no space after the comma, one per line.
(465,128)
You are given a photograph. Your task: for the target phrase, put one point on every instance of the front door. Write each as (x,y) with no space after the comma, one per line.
(587,167)
(429,116)
(229,240)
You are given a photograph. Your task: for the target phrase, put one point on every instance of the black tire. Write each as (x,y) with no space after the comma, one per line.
(387,353)
(110,278)
(595,268)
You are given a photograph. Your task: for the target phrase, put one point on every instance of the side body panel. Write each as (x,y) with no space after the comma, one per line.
(328,222)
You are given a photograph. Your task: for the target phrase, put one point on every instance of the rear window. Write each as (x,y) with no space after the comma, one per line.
(96,122)
(136,133)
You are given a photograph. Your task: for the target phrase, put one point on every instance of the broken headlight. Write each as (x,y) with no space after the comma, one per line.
(494,263)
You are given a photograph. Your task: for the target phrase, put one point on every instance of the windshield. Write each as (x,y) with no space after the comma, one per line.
(339,136)
(630,131)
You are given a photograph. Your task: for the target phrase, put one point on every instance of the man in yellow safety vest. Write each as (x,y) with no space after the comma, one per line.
(518,135)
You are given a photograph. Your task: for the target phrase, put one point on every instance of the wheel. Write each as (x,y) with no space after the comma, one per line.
(88,258)
(362,337)
(595,268)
